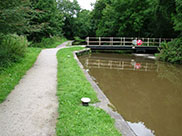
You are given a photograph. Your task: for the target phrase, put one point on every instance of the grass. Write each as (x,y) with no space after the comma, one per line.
(10,76)
(75,119)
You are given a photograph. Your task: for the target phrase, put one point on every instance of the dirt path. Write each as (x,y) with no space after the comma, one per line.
(31,108)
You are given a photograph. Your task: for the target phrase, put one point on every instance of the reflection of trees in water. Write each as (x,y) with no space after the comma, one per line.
(171,72)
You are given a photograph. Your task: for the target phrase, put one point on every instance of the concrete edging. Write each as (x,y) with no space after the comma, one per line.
(104,103)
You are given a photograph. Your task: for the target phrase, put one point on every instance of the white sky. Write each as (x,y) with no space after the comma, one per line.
(85,4)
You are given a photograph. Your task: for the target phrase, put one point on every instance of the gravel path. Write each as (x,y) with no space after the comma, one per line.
(31,108)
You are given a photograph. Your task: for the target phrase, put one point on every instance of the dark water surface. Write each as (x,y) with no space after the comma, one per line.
(147,93)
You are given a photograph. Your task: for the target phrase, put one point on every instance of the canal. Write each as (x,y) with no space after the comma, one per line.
(147,93)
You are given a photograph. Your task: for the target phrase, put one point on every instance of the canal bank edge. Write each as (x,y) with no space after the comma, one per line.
(104,103)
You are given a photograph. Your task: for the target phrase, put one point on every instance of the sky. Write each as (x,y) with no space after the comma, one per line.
(85,4)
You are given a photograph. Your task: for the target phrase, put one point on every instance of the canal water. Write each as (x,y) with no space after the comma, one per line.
(147,93)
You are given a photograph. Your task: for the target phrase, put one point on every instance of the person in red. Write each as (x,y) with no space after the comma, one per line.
(139,42)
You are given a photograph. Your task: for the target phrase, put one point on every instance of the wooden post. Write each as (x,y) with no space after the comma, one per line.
(111,40)
(121,40)
(124,41)
(148,42)
(159,41)
(143,39)
(99,41)
(87,41)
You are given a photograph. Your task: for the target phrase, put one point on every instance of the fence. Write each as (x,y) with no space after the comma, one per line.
(124,41)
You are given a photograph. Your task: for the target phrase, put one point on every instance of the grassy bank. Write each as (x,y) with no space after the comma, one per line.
(10,76)
(74,119)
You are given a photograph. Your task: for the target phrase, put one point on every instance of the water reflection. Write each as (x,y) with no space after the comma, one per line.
(120,64)
(142,90)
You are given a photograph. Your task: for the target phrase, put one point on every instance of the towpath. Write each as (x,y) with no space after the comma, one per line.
(31,108)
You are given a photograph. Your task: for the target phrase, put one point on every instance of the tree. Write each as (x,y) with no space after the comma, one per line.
(12,16)
(96,15)
(123,18)
(82,24)
(70,12)
(178,17)
(45,20)
(163,18)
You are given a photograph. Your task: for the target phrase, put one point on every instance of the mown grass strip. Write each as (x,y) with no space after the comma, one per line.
(10,76)
(74,119)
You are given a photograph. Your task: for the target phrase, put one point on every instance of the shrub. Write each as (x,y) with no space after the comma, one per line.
(79,41)
(172,51)
(12,48)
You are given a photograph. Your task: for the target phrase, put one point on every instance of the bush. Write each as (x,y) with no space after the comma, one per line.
(49,42)
(79,41)
(12,48)
(172,51)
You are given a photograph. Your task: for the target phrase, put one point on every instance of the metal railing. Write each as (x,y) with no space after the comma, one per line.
(124,41)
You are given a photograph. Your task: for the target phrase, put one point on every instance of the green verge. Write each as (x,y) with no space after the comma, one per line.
(75,119)
(10,76)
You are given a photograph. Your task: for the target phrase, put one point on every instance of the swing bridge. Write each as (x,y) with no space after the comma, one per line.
(125,43)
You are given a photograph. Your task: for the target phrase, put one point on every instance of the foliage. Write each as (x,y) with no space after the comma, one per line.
(79,41)
(12,48)
(163,17)
(82,25)
(10,76)
(52,42)
(134,18)
(74,119)
(97,15)
(12,16)
(172,51)
(70,12)
(45,20)
(178,17)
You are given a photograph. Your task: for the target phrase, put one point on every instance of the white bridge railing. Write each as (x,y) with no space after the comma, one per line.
(124,41)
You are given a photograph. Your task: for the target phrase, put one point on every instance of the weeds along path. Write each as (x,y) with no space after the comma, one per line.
(31,108)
